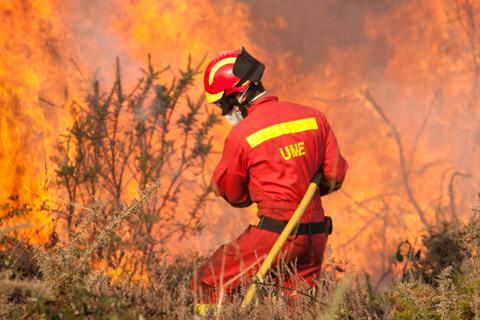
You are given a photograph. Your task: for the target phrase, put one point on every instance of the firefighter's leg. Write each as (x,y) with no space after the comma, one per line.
(231,265)
(308,265)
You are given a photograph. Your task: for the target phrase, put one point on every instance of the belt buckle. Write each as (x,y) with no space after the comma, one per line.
(260,224)
(294,233)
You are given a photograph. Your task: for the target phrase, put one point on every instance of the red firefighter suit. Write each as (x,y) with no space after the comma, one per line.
(270,157)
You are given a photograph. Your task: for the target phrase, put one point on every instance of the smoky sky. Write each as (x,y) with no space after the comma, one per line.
(309,28)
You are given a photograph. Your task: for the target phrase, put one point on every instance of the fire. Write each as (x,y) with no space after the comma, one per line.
(418,60)
(30,69)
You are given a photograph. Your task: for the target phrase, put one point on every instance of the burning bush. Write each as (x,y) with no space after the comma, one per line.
(120,142)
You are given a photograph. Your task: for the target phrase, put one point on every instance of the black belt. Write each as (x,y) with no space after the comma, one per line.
(303,228)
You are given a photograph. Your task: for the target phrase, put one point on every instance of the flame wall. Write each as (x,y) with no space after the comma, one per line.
(420,59)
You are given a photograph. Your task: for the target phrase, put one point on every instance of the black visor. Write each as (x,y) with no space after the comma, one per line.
(246,67)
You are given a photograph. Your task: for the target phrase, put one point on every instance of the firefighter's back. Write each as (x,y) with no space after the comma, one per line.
(284,147)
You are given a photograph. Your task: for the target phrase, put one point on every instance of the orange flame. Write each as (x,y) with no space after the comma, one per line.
(420,60)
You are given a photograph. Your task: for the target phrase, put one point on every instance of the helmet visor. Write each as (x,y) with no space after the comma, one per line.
(246,67)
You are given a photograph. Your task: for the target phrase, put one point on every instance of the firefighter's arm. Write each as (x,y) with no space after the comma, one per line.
(232,192)
(230,176)
(334,166)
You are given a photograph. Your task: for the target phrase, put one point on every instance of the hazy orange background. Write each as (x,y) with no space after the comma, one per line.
(419,58)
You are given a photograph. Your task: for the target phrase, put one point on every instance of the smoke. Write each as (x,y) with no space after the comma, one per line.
(418,61)
(311,30)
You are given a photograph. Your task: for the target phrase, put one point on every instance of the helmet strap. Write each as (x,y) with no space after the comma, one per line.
(258,96)
(243,93)
(251,97)
(228,102)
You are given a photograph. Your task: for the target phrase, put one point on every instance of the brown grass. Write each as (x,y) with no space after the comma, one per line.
(61,283)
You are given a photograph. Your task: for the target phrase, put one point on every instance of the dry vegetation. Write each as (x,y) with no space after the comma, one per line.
(99,157)
(442,282)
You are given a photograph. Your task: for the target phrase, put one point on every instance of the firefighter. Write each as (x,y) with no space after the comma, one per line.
(272,152)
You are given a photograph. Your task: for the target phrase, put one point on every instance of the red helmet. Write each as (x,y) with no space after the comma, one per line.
(219,77)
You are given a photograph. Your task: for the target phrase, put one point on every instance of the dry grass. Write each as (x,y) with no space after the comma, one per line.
(60,283)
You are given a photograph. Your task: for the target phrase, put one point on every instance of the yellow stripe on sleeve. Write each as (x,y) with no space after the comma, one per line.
(280,129)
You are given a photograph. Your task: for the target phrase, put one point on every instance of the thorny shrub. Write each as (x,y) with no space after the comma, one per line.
(120,141)
(445,282)
(60,284)
(443,245)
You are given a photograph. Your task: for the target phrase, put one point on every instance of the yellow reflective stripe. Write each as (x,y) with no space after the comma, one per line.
(220,64)
(280,129)
(211,98)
